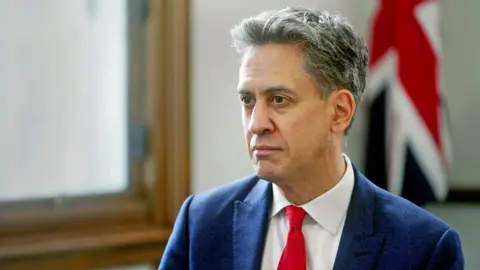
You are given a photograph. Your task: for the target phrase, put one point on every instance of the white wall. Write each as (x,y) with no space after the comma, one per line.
(462,64)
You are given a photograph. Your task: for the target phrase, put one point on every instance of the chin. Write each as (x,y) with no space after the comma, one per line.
(269,174)
(270,170)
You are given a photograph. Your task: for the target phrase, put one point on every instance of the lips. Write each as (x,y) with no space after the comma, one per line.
(263,150)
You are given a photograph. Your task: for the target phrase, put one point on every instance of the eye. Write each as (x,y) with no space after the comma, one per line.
(279,99)
(246,100)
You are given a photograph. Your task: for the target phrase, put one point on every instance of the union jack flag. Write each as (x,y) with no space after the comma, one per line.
(407,139)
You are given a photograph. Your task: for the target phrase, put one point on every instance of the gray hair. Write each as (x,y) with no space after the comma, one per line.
(335,54)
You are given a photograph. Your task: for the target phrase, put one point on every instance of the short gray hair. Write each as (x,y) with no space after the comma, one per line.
(335,54)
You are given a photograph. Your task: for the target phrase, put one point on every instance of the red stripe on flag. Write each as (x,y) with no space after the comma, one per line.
(395,26)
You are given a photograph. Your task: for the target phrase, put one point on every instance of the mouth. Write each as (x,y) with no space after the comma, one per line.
(264,150)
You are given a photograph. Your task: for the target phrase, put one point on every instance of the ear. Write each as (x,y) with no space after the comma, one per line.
(344,109)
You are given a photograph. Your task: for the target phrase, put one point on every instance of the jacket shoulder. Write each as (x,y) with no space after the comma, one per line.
(405,218)
(415,234)
(221,197)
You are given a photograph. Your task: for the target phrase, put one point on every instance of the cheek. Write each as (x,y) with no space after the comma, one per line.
(245,125)
(306,132)
(248,138)
(247,135)
(245,119)
(293,131)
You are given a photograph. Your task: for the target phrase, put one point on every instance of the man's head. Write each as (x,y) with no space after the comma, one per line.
(303,72)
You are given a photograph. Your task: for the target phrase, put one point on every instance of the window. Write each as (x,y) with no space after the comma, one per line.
(64,99)
(95,157)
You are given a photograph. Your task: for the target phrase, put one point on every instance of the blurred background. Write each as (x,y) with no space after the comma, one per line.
(113,111)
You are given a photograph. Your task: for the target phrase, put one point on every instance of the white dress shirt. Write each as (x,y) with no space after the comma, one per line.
(322,226)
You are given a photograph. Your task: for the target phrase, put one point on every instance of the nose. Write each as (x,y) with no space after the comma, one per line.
(260,121)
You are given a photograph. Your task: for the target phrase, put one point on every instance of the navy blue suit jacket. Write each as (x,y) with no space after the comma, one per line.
(225,228)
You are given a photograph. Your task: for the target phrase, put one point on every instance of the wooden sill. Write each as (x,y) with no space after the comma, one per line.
(44,216)
(87,250)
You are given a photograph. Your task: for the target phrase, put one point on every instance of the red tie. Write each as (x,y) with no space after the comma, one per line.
(294,256)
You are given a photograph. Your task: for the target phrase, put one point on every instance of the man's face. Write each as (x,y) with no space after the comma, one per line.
(288,126)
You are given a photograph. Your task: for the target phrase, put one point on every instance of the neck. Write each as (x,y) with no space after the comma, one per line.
(316,181)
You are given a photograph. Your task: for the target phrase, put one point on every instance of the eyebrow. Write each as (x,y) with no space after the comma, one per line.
(270,90)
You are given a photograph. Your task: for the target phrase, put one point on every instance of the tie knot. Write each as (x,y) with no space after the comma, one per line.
(295,216)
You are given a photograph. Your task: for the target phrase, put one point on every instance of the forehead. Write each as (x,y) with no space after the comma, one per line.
(271,64)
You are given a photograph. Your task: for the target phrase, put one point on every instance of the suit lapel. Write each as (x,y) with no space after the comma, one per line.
(250,223)
(360,243)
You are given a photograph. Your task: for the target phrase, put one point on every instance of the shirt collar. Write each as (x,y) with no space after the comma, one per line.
(328,209)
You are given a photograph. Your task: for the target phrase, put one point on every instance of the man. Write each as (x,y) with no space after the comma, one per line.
(302,75)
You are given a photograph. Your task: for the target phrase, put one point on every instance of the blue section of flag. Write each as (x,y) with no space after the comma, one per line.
(375,162)
(416,187)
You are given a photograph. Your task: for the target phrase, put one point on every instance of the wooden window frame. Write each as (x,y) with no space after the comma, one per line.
(124,228)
